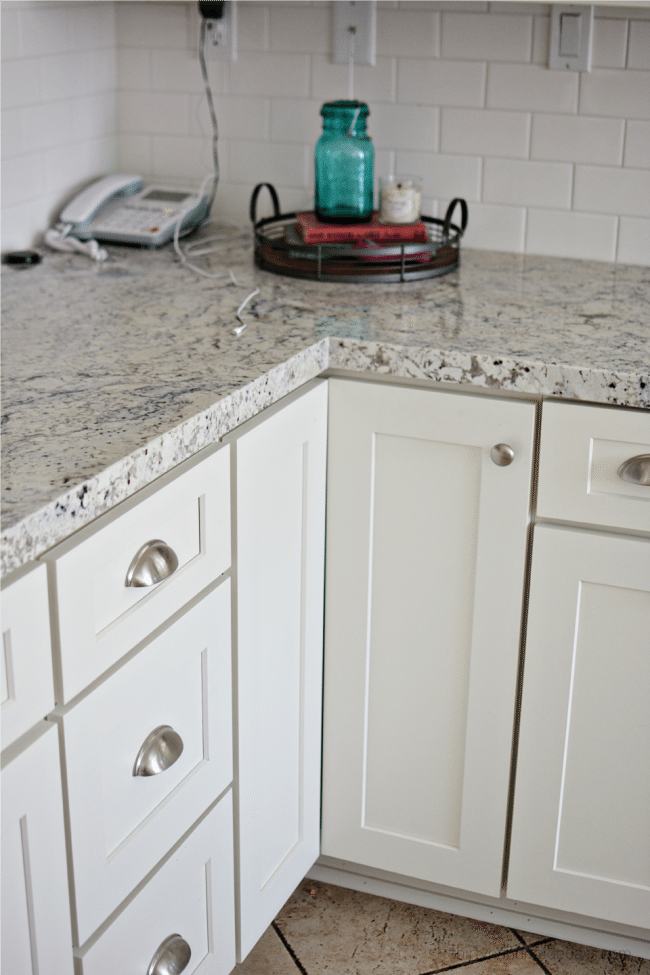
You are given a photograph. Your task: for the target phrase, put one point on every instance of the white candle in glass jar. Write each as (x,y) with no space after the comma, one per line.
(400,199)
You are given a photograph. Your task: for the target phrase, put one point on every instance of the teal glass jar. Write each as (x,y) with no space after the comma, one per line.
(345,163)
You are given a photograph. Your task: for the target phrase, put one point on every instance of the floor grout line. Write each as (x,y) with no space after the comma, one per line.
(474,961)
(539,962)
(301,968)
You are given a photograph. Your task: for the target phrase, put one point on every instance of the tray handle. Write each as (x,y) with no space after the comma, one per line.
(449,214)
(274,197)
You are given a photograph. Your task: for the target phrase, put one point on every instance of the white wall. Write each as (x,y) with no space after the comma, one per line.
(59,102)
(550,162)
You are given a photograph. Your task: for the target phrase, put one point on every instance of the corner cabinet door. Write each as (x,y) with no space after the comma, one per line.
(426,557)
(280,553)
(581,822)
(36,929)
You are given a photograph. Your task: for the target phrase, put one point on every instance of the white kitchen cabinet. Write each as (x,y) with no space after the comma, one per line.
(191,896)
(36,935)
(280,464)
(123,823)
(581,827)
(426,556)
(26,654)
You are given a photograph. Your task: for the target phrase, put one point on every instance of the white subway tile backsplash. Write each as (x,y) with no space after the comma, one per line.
(391,127)
(484,132)
(92,116)
(483,37)
(408,33)
(93,26)
(21,82)
(609,43)
(178,71)
(10,37)
(541,35)
(153,112)
(296,120)
(185,158)
(63,75)
(531,87)
(147,24)
(252,27)
(45,30)
(443,176)
(493,228)
(639,50)
(621,94)
(585,236)
(460,94)
(634,241)
(281,75)
(267,162)
(23,179)
(576,139)
(605,189)
(135,153)
(330,81)
(305,29)
(527,183)
(637,144)
(134,68)
(238,117)
(429,82)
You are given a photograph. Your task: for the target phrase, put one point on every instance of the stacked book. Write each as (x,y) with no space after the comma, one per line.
(314,231)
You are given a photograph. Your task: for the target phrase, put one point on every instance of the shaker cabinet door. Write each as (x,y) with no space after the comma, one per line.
(36,931)
(581,823)
(426,556)
(280,467)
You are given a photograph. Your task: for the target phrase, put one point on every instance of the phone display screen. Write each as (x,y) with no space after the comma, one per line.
(164,196)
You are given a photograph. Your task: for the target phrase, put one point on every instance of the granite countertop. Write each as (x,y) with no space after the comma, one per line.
(115,373)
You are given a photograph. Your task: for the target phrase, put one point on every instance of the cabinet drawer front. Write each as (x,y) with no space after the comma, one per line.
(100,617)
(122,823)
(192,895)
(27,685)
(582,449)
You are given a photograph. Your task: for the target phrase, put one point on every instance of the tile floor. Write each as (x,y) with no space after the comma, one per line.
(327,930)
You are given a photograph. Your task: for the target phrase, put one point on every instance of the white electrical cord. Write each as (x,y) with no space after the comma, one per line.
(238,329)
(59,240)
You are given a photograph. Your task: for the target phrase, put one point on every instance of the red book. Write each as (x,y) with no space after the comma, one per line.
(314,231)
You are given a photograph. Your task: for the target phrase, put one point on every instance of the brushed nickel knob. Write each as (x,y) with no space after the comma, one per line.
(171,958)
(159,751)
(502,454)
(636,470)
(151,564)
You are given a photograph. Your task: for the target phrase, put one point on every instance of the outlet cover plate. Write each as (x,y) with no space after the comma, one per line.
(361,16)
(221,35)
(571,33)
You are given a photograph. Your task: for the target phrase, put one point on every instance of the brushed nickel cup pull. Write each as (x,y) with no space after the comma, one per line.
(151,564)
(502,454)
(636,470)
(159,751)
(171,958)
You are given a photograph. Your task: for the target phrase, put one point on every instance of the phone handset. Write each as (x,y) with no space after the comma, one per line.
(81,209)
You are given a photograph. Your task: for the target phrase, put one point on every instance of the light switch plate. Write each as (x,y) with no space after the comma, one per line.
(354,23)
(571,33)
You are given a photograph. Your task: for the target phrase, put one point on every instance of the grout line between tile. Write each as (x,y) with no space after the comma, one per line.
(458,966)
(540,963)
(301,968)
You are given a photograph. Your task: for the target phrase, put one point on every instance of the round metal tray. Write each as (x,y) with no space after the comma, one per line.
(280,249)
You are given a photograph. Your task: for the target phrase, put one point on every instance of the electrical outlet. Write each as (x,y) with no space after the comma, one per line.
(221,35)
(355,31)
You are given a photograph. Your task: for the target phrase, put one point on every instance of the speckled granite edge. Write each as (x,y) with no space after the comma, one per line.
(56,521)
(489,372)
